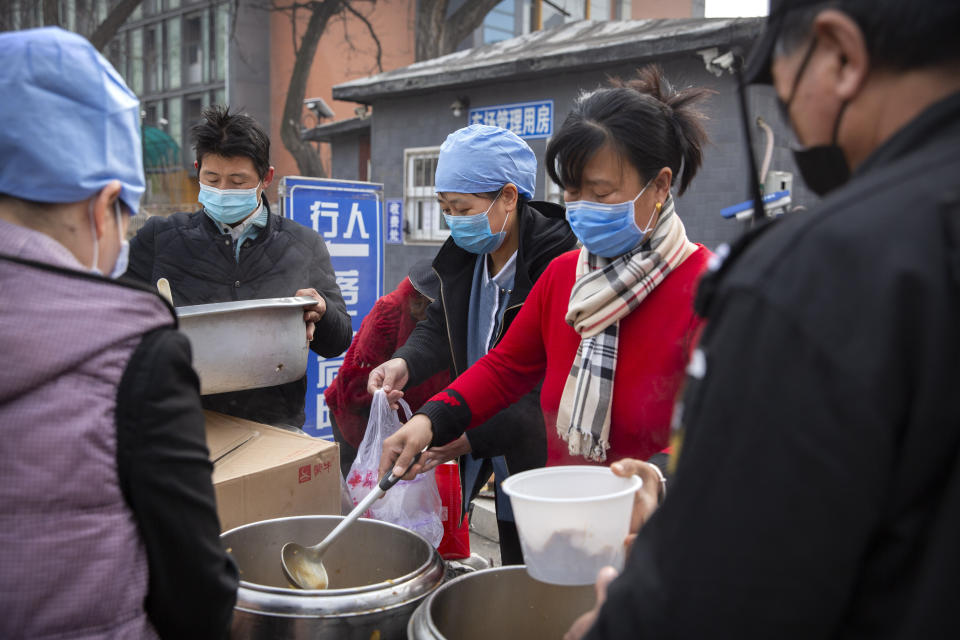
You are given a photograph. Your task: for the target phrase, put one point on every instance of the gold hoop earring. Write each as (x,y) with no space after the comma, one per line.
(659,206)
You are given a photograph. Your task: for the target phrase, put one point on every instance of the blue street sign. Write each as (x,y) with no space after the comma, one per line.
(348,215)
(394,221)
(526,119)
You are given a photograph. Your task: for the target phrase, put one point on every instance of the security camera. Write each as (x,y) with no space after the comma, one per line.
(319,107)
(715,62)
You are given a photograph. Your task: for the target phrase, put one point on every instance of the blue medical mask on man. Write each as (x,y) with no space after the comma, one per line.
(608,230)
(228,206)
(472,233)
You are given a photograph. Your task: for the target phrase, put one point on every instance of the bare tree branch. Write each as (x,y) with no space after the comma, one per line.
(51,13)
(308,160)
(437,35)
(464,20)
(105,31)
(371,31)
(429,28)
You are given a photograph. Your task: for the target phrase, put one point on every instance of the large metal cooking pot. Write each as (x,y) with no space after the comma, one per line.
(504,603)
(247,344)
(379,573)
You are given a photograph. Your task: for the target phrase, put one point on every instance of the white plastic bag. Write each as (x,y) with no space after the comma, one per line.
(414,504)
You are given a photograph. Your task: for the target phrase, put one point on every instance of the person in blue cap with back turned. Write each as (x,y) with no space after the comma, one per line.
(500,242)
(107,511)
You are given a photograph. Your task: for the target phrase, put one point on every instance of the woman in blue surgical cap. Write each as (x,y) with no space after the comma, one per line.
(607,330)
(107,507)
(500,242)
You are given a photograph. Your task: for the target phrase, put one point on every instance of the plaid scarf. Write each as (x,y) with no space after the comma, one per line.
(605,290)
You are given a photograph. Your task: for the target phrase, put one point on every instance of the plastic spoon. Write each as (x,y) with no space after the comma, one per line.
(303,566)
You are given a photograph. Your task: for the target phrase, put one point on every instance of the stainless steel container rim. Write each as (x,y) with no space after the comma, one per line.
(244,305)
(323,614)
(325,593)
(427,604)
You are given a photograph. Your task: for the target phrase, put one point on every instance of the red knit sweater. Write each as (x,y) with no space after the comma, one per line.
(654,342)
(386,327)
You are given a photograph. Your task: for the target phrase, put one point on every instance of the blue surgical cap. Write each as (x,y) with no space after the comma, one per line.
(68,123)
(481,158)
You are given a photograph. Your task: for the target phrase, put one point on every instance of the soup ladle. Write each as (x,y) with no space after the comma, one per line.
(303,566)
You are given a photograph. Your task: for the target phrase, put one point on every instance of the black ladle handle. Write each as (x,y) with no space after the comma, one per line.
(389,480)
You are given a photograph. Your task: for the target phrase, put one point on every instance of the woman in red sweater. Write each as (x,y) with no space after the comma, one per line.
(607,327)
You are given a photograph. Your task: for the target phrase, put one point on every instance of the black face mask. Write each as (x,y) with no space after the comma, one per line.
(822,167)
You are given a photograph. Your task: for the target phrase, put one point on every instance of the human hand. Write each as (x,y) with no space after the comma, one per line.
(312,313)
(582,624)
(647,498)
(391,376)
(400,448)
(435,456)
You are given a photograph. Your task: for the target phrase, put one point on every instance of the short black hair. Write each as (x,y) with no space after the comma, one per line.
(899,35)
(231,135)
(650,124)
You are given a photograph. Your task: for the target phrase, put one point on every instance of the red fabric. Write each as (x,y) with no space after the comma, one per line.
(456,532)
(383,330)
(654,343)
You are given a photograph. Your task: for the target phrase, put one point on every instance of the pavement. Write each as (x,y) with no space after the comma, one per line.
(484,539)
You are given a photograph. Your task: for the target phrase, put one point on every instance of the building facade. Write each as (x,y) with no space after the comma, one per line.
(180,56)
(529,84)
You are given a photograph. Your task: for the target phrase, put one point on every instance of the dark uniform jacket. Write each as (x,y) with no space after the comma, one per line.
(818,487)
(440,342)
(199,261)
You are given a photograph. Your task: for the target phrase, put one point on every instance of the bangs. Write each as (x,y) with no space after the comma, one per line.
(572,148)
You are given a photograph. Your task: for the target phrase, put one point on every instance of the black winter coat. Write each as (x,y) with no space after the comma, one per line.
(190,251)
(818,488)
(440,342)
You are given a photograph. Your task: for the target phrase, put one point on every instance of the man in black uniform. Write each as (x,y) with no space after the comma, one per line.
(818,489)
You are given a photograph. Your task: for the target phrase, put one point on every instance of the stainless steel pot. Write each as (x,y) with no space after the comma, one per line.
(379,573)
(504,603)
(247,344)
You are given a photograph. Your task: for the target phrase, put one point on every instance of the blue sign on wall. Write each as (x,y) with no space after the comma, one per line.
(348,215)
(394,221)
(526,119)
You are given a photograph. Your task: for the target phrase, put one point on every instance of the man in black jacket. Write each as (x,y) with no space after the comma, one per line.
(234,249)
(818,489)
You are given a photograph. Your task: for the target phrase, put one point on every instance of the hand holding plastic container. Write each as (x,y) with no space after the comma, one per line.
(572,520)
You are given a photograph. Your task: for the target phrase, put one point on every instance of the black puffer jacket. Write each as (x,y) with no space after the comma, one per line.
(188,250)
(440,341)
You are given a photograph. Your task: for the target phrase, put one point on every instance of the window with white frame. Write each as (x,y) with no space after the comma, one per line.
(425,222)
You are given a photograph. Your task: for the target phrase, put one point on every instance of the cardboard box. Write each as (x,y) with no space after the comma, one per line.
(261,472)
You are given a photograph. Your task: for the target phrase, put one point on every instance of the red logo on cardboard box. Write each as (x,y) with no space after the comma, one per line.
(304,473)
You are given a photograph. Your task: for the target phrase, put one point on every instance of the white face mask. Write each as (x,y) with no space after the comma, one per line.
(123,258)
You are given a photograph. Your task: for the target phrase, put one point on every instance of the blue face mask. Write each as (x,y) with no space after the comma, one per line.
(228,206)
(473,234)
(607,230)
(123,257)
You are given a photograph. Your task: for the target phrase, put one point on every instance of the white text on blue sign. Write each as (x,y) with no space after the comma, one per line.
(526,119)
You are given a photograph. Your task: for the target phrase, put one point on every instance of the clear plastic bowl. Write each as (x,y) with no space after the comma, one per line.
(572,520)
